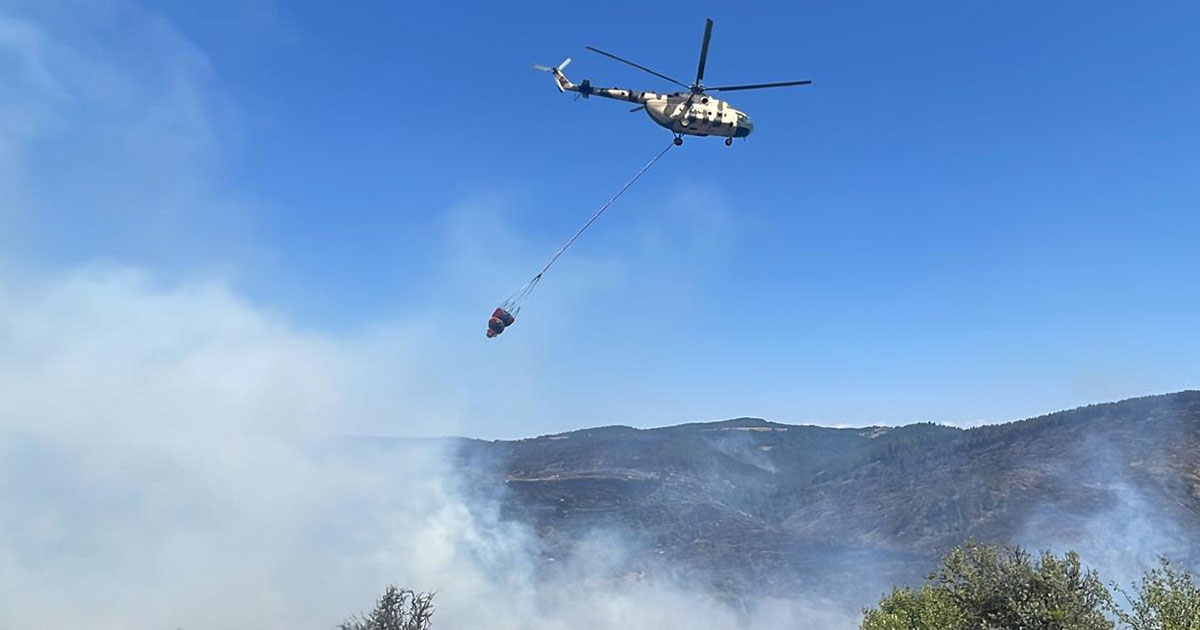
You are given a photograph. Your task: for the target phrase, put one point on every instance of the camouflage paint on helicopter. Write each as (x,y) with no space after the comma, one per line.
(692,113)
(683,113)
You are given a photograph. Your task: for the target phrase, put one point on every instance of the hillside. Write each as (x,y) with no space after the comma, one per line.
(746,501)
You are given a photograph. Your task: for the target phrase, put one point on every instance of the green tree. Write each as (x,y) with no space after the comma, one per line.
(396,609)
(981,587)
(1005,588)
(1166,599)
(926,608)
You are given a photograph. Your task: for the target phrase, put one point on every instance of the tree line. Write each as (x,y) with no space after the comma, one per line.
(974,587)
(987,587)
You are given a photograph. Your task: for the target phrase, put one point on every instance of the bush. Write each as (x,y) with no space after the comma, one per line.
(980,587)
(1005,588)
(926,608)
(397,609)
(1165,599)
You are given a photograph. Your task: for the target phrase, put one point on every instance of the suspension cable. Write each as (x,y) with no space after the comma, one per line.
(513,303)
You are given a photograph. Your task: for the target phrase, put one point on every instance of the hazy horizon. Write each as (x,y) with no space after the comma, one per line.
(230,229)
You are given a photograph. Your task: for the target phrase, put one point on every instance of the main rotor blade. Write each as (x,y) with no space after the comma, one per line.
(642,68)
(704,51)
(755,86)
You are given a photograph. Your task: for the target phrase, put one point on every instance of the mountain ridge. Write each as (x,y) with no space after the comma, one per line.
(751,500)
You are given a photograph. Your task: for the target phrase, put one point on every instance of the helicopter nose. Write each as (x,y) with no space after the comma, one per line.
(745,126)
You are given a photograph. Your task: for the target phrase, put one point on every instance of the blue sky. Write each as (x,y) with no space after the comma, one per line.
(979,211)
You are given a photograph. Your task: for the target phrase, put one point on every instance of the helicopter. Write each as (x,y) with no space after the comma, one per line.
(692,113)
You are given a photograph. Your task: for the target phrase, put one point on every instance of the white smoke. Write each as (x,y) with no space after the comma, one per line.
(1112,522)
(165,462)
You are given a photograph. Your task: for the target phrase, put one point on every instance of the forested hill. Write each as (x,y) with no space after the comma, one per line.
(766,497)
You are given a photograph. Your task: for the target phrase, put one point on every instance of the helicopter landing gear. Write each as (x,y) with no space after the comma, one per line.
(678,141)
(729,141)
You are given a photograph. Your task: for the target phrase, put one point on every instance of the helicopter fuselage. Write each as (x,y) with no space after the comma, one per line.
(683,113)
(692,113)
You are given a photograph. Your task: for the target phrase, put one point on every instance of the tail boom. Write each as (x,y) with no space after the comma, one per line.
(586,89)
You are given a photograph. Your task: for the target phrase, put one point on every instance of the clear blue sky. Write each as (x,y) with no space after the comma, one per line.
(979,211)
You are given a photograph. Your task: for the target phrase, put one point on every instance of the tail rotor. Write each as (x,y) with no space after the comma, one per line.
(560,79)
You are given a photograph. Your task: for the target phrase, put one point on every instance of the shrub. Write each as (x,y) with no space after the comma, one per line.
(926,608)
(396,609)
(981,587)
(1166,599)
(1005,588)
